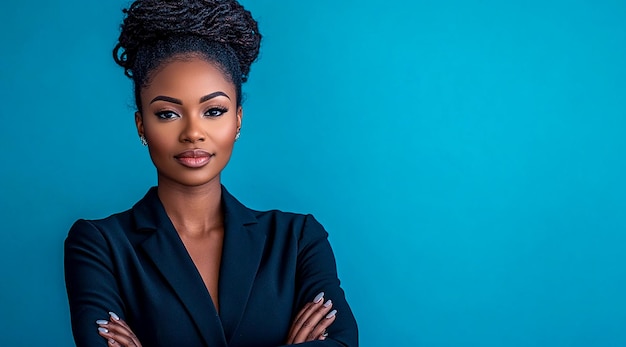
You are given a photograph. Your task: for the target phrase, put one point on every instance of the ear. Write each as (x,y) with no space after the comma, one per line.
(239,117)
(139,123)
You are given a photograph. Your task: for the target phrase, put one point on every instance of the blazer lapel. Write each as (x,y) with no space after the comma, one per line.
(169,255)
(241,255)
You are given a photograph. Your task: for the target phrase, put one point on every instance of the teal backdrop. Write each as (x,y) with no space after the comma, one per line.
(467,158)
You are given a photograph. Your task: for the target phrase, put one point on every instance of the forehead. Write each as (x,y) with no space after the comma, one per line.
(188,77)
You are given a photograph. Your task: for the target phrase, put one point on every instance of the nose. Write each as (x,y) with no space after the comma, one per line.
(192,131)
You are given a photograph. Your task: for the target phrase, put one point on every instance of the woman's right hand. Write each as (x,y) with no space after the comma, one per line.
(311,322)
(117,332)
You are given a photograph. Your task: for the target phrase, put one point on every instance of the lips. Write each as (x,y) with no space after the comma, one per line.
(194,158)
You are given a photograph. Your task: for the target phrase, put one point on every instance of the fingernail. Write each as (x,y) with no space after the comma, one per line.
(325,335)
(319,297)
(103,330)
(114,316)
(331,314)
(111,341)
(328,303)
(102,322)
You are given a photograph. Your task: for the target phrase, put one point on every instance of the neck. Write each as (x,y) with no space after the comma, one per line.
(196,212)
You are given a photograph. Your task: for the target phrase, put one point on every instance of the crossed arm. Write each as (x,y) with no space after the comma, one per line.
(317,321)
(309,325)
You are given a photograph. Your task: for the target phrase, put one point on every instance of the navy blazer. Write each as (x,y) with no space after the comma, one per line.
(134,264)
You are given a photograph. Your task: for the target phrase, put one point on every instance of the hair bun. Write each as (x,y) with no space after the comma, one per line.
(223,21)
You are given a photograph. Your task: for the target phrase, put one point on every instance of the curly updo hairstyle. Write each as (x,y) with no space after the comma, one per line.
(160,31)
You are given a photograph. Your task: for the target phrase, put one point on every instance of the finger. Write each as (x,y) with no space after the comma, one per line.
(305,333)
(113,338)
(319,298)
(319,329)
(123,324)
(304,313)
(117,332)
(129,336)
(113,343)
(299,323)
(323,336)
(115,327)
(116,339)
(302,316)
(115,319)
(320,332)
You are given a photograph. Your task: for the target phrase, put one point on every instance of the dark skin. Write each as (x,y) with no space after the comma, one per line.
(189,105)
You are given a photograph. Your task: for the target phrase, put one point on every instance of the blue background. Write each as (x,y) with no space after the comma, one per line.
(467,158)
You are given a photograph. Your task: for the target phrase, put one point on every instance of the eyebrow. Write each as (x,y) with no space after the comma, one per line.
(166,98)
(179,102)
(213,95)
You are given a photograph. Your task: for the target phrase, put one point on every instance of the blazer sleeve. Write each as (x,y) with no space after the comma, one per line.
(317,272)
(90,282)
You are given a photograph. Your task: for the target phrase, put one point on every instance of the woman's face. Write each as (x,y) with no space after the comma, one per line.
(190,119)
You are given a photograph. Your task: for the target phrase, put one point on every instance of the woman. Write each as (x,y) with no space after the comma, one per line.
(189,265)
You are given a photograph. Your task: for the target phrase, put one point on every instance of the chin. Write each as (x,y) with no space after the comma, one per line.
(199,181)
(190,179)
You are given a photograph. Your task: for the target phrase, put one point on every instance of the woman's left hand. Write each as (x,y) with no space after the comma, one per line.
(117,332)
(311,322)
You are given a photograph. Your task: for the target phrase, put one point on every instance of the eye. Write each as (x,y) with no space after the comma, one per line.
(215,112)
(166,115)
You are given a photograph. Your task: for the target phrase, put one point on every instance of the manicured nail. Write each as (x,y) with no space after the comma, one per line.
(331,314)
(114,316)
(319,297)
(102,322)
(325,334)
(103,330)
(328,303)
(111,341)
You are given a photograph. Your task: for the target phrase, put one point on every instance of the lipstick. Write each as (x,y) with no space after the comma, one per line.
(194,158)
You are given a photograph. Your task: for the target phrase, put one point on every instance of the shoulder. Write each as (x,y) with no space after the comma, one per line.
(144,213)
(291,219)
(280,216)
(118,223)
(301,228)
(274,221)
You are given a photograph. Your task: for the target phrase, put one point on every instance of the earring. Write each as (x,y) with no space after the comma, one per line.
(143,140)
(238,134)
